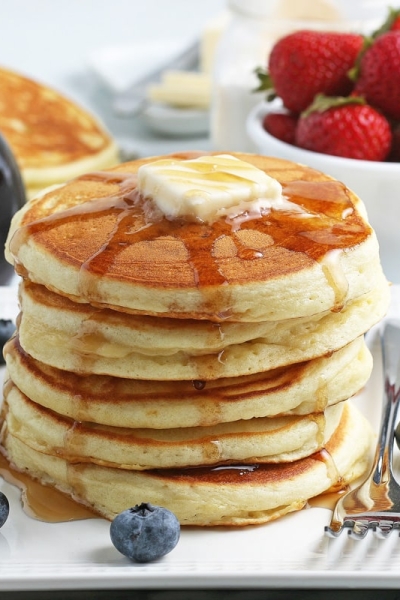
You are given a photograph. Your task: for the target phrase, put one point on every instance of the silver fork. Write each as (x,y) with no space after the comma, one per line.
(375,504)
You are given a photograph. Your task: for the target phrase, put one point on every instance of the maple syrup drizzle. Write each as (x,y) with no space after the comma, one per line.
(198,384)
(42,502)
(321,396)
(336,278)
(314,233)
(325,457)
(327,500)
(330,498)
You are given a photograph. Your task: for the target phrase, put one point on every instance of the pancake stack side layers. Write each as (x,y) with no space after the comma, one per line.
(52,138)
(191,335)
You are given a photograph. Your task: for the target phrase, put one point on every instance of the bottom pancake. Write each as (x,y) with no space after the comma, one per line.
(242,494)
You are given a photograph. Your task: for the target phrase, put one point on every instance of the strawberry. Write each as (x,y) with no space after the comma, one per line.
(394,155)
(281,125)
(305,63)
(396,24)
(346,127)
(392,23)
(378,78)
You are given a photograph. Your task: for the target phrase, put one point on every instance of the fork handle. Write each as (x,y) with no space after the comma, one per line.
(390,341)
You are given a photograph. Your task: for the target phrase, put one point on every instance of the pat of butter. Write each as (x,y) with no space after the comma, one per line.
(209,187)
(182,88)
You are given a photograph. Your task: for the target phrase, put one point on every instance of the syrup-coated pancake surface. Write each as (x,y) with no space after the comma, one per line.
(96,240)
(51,137)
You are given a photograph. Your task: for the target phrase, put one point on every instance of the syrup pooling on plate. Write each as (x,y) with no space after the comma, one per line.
(47,504)
(327,500)
(204,256)
(39,501)
(42,502)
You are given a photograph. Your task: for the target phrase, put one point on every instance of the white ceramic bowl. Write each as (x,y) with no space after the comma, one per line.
(376,183)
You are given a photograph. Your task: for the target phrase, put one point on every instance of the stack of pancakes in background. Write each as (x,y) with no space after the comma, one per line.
(52,138)
(204,367)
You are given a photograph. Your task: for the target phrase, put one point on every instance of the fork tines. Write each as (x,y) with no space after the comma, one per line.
(358,528)
(375,504)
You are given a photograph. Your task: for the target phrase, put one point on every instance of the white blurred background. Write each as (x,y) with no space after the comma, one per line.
(59,42)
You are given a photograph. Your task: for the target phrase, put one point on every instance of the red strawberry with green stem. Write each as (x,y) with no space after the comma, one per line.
(378,74)
(346,127)
(305,63)
(392,23)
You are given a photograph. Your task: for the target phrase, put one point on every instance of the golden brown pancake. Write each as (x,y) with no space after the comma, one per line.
(300,389)
(83,340)
(95,241)
(262,440)
(51,137)
(241,494)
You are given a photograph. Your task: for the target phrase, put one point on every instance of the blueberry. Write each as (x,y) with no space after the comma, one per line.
(145,532)
(4,509)
(7,328)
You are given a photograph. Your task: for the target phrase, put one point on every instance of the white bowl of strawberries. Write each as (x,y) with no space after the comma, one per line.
(337,109)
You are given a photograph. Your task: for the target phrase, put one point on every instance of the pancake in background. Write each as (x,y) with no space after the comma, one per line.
(263,440)
(243,494)
(52,138)
(303,388)
(305,261)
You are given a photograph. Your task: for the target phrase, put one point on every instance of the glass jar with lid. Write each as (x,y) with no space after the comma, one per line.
(253,27)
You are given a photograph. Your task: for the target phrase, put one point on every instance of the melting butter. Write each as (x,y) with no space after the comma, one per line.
(209,187)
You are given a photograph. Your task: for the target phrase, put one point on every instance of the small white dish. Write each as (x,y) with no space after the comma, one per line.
(176,122)
(120,67)
(376,183)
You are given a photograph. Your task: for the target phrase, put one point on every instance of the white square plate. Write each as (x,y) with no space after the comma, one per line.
(292,552)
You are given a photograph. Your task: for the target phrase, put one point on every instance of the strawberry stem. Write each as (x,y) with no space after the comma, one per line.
(354,72)
(394,13)
(321,103)
(265,83)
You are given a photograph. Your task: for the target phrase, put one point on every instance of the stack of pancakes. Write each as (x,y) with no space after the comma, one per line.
(203,367)
(52,138)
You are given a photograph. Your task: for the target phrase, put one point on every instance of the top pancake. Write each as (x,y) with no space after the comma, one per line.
(93,240)
(51,137)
